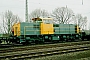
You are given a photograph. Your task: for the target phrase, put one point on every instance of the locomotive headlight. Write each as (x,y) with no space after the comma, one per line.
(58,36)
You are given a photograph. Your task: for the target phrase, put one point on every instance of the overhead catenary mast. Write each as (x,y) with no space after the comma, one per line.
(26,14)
(82,2)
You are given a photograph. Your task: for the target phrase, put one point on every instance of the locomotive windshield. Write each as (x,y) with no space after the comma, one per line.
(48,21)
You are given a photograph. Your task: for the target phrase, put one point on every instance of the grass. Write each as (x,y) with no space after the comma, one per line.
(84,55)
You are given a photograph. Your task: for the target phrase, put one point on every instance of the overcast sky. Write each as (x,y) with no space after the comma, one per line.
(18,6)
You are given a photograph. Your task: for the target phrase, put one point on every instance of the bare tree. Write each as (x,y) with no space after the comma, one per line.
(1,31)
(38,13)
(81,21)
(84,23)
(62,15)
(8,20)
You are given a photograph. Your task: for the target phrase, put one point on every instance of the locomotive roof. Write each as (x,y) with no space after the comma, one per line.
(34,19)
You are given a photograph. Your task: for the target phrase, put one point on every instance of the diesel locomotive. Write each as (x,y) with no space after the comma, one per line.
(43,30)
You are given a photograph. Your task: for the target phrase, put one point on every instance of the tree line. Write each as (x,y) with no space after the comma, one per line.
(60,15)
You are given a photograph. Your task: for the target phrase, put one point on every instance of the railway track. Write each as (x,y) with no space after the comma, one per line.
(9,45)
(19,45)
(47,52)
(42,46)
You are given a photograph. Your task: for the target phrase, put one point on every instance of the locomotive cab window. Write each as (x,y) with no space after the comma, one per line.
(47,20)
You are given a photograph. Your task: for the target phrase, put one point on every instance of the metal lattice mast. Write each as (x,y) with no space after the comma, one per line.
(26,14)
(82,2)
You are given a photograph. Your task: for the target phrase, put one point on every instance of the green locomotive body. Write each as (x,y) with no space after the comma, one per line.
(42,30)
(67,32)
